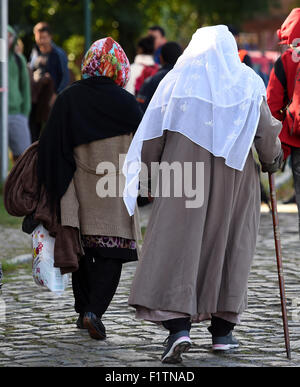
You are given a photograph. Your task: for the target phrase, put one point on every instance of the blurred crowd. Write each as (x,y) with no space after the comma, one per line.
(34,85)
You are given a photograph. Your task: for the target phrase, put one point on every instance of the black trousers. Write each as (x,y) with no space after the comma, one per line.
(219,327)
(95,283)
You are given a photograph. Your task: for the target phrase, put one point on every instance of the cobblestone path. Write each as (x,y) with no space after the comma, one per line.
(40,329)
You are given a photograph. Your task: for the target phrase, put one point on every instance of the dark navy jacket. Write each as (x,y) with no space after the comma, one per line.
(150,85)
(55,63)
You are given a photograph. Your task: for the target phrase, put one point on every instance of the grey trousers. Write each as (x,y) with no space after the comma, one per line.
(295,159)
(19,137)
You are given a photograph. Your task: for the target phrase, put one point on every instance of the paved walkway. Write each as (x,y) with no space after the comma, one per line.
(13,242)
(40,329)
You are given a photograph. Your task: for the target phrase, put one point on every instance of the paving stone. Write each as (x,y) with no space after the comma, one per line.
(40,328)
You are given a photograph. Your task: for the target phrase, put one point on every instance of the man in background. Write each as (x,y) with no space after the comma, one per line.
(243,54)
(159,40)
(170,52)
(19,99)
(144,59)
(283,96)
(49,66)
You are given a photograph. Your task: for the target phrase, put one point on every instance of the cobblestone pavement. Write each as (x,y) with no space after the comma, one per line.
(40,328)
(13,242)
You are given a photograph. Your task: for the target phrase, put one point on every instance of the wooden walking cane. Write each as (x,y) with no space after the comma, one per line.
(279,263)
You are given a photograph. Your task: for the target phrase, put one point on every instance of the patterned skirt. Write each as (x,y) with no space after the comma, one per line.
(111,247)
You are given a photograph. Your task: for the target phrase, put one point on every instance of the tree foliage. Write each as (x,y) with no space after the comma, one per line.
(230,11)
(126,21)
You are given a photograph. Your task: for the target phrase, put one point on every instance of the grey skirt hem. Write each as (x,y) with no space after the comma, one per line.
(157,316)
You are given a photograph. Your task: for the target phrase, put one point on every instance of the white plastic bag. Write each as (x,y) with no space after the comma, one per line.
(43,271)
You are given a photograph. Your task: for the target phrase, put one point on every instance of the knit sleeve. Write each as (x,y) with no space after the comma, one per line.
(266,140)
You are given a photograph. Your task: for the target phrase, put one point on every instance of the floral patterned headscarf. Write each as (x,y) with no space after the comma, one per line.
(106,58)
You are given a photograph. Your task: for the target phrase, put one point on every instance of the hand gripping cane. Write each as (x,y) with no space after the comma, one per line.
(279,263)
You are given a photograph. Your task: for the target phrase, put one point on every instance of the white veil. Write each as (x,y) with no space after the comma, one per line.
(210,97)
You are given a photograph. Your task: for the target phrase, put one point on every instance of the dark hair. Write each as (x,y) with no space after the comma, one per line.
(42,27)
(233,30)
(170,52)
(147,44)
(158,28)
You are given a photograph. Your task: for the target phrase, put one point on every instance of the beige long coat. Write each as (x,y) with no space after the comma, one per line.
(197,260)
(82,208)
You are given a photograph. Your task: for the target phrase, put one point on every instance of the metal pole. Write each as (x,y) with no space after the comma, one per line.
(3,90)
(87,25)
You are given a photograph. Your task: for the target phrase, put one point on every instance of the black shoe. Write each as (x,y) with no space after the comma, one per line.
(94,325)
(79,322)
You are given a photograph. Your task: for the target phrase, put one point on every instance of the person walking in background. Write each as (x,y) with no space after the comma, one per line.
(284,94)
(19,48)
(243,54)
(160,39)
(19,99)
(196,256)
(144,58)
(49,66)
(170,52)
(245,58)
(92,121)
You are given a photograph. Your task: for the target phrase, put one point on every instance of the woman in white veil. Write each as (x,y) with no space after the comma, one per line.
(196,257)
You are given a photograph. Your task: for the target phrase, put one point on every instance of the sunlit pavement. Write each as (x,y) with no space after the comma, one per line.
(281,208)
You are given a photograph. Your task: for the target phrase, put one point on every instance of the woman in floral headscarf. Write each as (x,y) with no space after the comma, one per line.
(92,121)
(106,58)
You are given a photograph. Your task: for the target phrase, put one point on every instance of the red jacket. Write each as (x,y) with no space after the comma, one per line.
(280,92)
(148,71)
